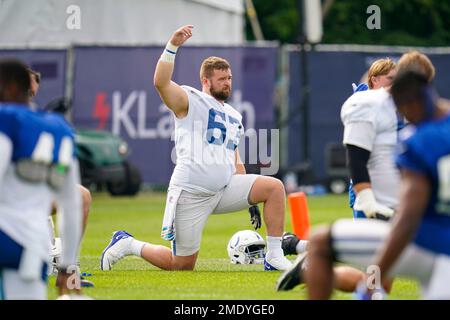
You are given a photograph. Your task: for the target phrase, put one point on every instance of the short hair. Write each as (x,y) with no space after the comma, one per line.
(418,61)
(409,86)
(380,67)
(37,75)
(13,71)
(212,63)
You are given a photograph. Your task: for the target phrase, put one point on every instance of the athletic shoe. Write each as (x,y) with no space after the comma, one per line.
(118,248)
(278,263)
(292,277)
(289,243)
(86,283)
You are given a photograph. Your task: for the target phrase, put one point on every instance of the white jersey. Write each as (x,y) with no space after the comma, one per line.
(24,211)
(205,141)
(37,167)
(370,122)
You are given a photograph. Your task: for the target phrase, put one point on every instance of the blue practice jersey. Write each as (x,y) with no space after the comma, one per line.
(26,129)
(427,151)
(37,168)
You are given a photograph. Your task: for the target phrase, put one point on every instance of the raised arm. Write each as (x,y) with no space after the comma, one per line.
(170,92)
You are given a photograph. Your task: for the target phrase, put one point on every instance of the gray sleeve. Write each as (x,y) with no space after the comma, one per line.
(69,200)
(6,152)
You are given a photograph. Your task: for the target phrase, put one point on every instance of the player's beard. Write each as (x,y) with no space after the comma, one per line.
(221,95)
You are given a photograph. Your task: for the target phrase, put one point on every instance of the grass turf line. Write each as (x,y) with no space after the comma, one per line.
(214,277)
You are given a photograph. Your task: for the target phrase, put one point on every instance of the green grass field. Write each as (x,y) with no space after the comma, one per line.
(214,277)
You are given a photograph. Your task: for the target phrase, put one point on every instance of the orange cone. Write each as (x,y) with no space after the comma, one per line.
(299,214)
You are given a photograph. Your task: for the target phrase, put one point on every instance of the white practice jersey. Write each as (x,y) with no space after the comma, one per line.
(24,211)
(370,122)
(36,149)
(205,141)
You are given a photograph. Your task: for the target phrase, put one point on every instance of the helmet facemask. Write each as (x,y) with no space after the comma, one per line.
(246,247)
(255,254)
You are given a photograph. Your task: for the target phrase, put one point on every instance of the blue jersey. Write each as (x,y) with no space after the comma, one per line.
(37,168)
(26,128)
(427,151)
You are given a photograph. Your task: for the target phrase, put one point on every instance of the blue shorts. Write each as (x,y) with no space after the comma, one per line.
(11,253)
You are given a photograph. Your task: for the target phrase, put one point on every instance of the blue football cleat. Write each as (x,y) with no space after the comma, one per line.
(278,263)
(118,248)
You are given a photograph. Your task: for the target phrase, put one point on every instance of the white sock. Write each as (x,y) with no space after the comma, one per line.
(301,246)
(274,247)
(136,247)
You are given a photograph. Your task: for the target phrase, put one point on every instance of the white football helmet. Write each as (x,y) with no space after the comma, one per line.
(246,247)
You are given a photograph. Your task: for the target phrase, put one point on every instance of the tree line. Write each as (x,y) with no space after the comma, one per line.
(411,23)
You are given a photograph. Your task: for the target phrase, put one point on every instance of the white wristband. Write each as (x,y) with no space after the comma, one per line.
(169,53)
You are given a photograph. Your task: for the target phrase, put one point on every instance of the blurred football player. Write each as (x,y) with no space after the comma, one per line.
(356,242)
(35,81)
(371,126)
(346,278)
(380,75)
(423,215)
(37,167)
(369,139)
(209,176)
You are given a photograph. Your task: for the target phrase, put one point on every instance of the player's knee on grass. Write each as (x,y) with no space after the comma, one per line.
(184,257)
(186,263)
